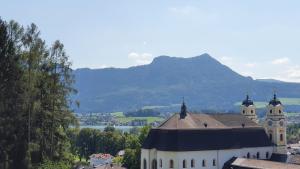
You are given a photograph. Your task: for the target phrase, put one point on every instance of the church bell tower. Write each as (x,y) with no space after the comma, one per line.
(275,125)
(248,109)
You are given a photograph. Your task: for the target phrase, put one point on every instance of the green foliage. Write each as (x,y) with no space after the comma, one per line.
(54,165)
(293,133)
(131,158)
(35,87)
(133,148)
(90,141)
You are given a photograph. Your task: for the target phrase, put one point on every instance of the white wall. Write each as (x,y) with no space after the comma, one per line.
(221,157)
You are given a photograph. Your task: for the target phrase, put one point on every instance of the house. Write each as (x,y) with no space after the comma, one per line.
(100,159)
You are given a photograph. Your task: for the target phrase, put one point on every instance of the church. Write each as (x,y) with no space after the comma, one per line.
(218,141)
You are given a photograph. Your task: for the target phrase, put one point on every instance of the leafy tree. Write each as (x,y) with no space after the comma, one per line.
(35,87)
(133,148)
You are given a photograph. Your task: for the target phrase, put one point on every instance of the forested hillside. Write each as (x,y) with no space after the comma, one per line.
(205,83)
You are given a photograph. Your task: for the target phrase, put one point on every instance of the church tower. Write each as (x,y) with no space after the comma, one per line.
(275,125)
(248,109)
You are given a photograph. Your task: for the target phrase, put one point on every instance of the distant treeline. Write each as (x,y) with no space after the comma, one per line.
(143,113)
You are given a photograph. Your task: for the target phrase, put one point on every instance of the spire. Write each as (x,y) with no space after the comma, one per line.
(247,102)
(183,111)
(274,101)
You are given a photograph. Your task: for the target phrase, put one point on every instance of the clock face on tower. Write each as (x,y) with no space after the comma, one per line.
(270,123)
(281,123)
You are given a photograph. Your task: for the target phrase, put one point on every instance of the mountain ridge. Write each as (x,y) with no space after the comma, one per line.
(202,80)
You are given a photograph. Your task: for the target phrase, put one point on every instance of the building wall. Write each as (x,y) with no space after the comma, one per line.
(221,156)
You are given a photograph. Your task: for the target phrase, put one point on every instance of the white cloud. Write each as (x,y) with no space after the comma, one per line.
(281,61)
(140,59)
(245,73)
(226,60)
(294,73)
(185,10)
(250,65)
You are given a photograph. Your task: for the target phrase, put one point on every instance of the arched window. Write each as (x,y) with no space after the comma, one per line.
(183,164)
(203,163)
(243,111)
(270,111)
(248,155)
(279,111)
(270,137)
(154,164)
(192,163)
(171,164)
(251,111)
(257,155)
(267,155)
(145,164)
(281,137)
(214,162)
(160,163)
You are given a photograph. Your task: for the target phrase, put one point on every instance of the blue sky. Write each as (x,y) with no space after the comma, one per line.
(256,38)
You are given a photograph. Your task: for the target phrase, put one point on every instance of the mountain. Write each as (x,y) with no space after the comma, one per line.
(205,83)
(270,80)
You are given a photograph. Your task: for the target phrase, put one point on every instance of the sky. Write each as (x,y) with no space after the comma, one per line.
(255,38)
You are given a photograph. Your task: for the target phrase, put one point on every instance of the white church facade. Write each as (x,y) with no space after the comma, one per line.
(215,141)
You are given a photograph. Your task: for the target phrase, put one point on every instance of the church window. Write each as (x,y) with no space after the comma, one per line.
(281,137)
(171,164)
(145,164)
(243,111)
(248,155)
(270,111)
(214,162)
(252,111)
(279,111)
(154,164)
(160,163)
(267,155)
(203,163)
(183,164)
(257,155)
(192,163)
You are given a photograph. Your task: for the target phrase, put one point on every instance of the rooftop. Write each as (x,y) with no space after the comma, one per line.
(207,121)
(198,132)
(262,164)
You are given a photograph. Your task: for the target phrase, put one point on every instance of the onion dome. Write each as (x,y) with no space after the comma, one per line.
(274,101)
(247,102)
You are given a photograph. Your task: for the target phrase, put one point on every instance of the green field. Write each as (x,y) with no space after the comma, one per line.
(149,119)
(117,114)
(123,119)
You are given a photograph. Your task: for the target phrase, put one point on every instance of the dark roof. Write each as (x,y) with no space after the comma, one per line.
(279,157)
(247,102)
(206,132)
(206,139)
(207,121)
(274,101)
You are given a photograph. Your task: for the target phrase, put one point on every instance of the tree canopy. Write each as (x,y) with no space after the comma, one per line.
(36,82)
